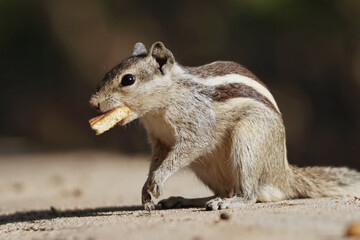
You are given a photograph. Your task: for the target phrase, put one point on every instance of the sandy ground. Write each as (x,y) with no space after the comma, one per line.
(94,195)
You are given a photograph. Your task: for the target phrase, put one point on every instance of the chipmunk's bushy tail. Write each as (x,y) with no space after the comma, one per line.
(314,182)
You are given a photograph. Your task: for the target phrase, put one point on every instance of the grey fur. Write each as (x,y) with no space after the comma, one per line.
(139,49)
(236,146)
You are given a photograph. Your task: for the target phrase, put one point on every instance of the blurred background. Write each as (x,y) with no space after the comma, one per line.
(53,54)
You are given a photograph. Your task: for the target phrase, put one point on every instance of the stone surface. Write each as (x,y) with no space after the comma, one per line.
(96,195)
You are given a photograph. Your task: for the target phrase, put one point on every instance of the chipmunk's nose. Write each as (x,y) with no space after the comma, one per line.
(96,106)
(94,103)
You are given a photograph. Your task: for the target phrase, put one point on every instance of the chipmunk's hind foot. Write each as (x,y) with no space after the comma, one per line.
(225,203)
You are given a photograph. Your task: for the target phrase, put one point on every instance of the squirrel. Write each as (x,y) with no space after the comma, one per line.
(219,120)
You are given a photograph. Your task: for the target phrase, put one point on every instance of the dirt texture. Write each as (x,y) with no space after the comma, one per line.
(96,195)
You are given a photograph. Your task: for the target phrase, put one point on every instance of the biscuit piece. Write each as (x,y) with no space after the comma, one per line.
(105,121)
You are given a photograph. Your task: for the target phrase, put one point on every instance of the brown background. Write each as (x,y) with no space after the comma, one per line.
(53,54)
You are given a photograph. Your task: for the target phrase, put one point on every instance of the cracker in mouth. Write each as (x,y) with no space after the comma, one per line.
(105,121)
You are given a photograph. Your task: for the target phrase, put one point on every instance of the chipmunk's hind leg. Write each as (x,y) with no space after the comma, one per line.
(180,202)
(256,159)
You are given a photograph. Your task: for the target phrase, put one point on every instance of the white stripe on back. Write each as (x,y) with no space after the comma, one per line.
(236,78)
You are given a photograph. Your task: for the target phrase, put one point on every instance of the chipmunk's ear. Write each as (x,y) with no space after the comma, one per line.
(139,49)
(162,55)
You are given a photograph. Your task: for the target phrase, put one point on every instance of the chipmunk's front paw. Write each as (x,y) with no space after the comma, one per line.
(148,206)
(146,199)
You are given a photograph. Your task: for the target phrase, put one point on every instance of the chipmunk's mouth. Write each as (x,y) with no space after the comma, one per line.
(105,105)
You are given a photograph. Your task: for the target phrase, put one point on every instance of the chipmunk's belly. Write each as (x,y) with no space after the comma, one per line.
(216,172)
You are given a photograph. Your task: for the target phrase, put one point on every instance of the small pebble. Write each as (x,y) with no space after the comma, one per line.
(224,216)
(353,230)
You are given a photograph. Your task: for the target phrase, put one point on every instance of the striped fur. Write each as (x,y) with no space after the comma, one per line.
(236,78)
(221,121)
(221,68)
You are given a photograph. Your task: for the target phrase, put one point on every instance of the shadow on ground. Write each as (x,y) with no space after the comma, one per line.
(55,213)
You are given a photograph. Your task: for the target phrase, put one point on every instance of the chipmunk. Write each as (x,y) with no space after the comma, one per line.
(218,119)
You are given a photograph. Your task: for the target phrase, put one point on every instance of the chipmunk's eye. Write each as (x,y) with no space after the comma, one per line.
(127,80)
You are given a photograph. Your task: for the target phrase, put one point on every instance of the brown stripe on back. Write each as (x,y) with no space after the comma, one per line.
(222,93)
(222,68)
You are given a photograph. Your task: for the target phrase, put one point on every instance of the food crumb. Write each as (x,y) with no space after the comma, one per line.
(224,216)
(353,230)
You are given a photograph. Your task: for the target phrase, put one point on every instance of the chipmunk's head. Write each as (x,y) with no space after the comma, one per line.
(140,82)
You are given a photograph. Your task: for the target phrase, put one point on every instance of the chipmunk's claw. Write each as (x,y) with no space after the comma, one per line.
(149,206)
